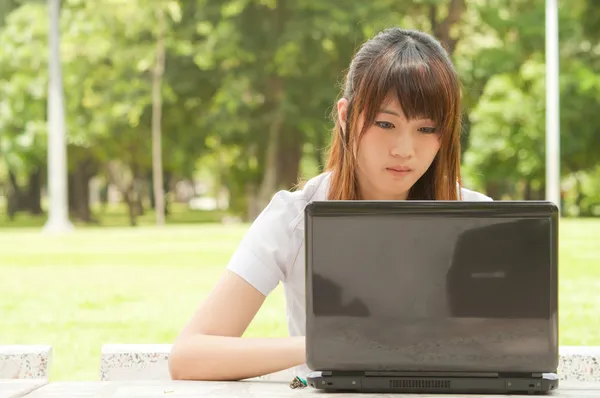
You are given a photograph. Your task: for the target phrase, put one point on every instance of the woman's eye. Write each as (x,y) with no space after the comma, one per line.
(385,125)
(427,130)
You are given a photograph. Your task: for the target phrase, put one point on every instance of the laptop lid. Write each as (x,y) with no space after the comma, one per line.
(432,286)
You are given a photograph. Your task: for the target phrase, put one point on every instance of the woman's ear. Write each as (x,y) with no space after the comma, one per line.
(342,111)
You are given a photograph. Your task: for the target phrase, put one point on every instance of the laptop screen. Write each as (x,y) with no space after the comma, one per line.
(445,291)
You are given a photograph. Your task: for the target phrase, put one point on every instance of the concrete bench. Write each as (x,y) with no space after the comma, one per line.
(579,363)
(25,361)
(121,362)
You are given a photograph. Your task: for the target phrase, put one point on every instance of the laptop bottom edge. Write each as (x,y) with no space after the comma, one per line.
(434,384)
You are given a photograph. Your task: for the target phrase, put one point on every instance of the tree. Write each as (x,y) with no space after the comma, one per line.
(156,118)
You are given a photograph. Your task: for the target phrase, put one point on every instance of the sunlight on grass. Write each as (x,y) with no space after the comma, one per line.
(579,282)
(140,285)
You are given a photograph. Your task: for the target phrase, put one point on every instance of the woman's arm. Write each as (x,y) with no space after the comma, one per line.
(210,347)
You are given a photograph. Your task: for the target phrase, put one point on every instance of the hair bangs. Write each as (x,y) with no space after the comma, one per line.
(418,81)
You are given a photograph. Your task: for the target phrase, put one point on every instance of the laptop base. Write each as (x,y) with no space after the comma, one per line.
(449,384)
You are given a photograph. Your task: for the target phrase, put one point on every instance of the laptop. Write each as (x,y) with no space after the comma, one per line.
(432,296)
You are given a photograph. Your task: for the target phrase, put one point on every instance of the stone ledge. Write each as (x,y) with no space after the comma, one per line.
(579,363)
(121,362)
(25,361)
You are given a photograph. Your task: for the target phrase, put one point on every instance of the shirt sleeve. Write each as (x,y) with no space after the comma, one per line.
(473,196)
(263,256)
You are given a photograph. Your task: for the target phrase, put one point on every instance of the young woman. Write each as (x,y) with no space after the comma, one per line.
(396,136)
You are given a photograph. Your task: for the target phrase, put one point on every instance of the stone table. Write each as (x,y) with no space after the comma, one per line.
(263,389)
(17,388)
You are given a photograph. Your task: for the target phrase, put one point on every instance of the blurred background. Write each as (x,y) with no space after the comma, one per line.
(237,95)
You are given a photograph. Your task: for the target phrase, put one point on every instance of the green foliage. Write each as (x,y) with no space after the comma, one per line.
(508,126)
(507,135)
(22,87)
(244,74)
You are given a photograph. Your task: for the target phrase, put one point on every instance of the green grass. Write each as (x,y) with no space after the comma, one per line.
(115,215)
(140,285)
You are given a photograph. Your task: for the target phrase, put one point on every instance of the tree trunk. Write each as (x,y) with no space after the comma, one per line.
(34,192)
(167,176)
(135,192)
(289,157)
(580,196)
(541,192)
(140,203)
(269,182)
(493,189)
(159,195)
(71,193)
(18,201)
(13,196)
(528,190)
(79,190)
(275,95)
(11,204)
(166,190)
(104,196)
(127,189)
(151,190)
(82,194)
(252,202)
(442,29)
(128,196)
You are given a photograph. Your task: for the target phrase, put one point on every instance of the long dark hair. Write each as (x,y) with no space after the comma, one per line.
(415,68)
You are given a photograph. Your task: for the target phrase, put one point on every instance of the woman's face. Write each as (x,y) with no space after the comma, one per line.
(393,153)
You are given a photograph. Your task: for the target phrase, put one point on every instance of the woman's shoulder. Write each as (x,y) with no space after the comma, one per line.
(284,213)
(293,202)
(474,196)
(266,253)
(315,188)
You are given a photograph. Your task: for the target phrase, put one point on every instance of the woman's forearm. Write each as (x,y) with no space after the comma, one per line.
(205,357)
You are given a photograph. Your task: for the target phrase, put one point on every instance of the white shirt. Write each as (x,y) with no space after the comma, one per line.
(272,250)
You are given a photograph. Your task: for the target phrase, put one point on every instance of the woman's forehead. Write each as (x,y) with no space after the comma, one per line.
(390,105)
(391,102)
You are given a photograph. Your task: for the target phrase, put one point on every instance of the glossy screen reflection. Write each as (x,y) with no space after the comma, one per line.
(457,294)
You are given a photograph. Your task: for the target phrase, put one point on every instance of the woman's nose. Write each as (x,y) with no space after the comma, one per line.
(403,145)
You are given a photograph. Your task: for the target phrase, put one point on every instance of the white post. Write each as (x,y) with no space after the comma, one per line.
(552,105)
(58,212)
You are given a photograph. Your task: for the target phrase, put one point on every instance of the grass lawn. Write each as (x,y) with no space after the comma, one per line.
(140,285)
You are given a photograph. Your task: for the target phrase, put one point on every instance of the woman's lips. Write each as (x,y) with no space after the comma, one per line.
(399,171)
